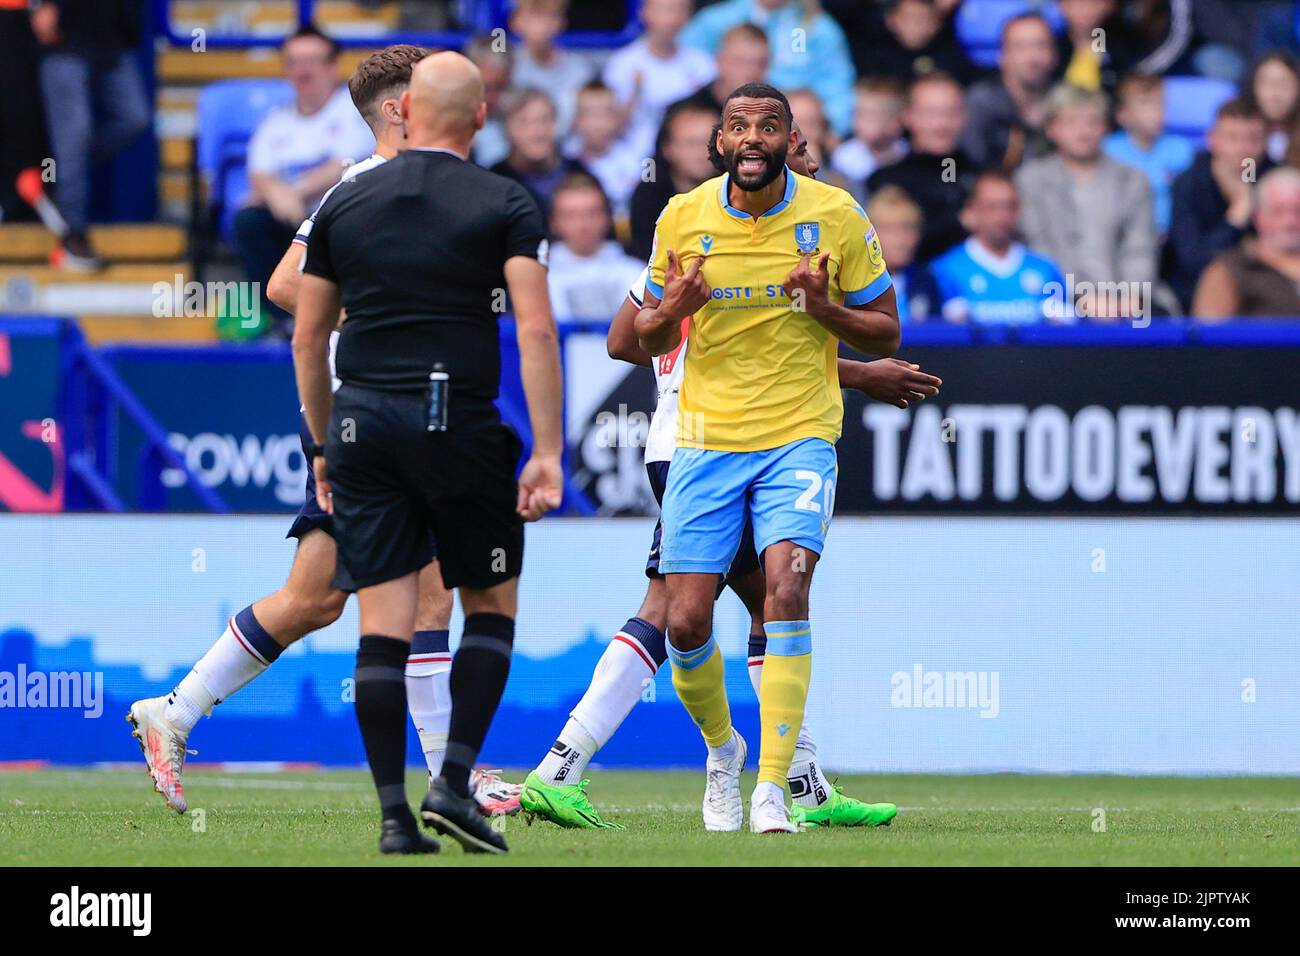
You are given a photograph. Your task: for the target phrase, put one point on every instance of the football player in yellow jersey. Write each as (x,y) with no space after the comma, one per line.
(776,269)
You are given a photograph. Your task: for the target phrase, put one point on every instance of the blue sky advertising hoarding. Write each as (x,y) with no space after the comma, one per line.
(1143,645)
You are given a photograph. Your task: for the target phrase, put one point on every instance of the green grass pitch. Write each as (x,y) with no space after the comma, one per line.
(94,817)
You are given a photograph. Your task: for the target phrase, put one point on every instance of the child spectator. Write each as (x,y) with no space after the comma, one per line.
(935,173)
(1142,142)
(898,223)
(589,273)
(1212,201)
(1004,114)
(540,63)
(597,146)
(1087,212)
(655,71)
(535,159)
(877,132)
(1274,90)
(991,279)
(1260,277)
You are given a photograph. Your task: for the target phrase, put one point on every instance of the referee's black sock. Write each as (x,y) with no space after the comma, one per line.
(381,712)
(478,679)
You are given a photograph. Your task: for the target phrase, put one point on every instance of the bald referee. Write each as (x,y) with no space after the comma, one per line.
(418,252)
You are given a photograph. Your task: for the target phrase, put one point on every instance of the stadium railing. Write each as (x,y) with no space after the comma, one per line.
(92,402)
(485,15)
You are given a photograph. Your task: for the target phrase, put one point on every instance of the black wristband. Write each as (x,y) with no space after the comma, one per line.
(313,451)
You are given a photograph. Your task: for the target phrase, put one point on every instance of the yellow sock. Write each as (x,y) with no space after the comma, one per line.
(697,678)
(787,669)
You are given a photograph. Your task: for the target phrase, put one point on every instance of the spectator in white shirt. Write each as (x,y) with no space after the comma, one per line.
(540,63)
(596,145)
(653,72)
(589,273)
(298,152)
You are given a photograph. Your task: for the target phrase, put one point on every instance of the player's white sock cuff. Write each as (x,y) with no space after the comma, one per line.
(189,702)
(568,757)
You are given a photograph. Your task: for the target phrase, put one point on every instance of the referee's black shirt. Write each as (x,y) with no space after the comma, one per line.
(417,247)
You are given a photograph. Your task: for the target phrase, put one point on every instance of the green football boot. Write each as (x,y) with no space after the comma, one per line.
(565,806)
(842,811)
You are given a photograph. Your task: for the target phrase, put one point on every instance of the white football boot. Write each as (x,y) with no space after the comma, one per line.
(724,810)
(496,797)
(769,814)
(163,747)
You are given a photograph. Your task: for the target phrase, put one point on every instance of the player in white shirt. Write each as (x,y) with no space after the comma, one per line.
(555,790)
(316,590)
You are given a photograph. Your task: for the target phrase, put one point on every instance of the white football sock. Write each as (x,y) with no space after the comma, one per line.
(189,701)
(428,698)
(568,757)
(808,785)
(616,685)
(227,666)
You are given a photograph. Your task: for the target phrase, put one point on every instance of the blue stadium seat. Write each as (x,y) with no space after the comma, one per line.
(1191,102)
(228,112)
(979,24)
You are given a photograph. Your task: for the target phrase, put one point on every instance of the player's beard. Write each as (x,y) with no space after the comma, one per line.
(750,184)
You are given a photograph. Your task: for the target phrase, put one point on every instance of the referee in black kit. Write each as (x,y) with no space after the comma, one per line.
(418,252)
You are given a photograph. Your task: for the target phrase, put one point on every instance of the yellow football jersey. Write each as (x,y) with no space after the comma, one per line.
(759,374)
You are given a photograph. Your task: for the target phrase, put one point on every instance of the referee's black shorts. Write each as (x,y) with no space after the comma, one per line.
(394,482)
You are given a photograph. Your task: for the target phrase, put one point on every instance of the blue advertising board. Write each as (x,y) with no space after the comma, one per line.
(1063,645)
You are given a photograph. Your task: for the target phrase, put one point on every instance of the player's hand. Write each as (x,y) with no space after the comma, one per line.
(684,293)
(808,286)
(45,24)
(896,382)
(324,493)
(541,486)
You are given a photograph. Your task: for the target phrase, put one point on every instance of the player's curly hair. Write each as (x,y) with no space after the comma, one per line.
(714,156)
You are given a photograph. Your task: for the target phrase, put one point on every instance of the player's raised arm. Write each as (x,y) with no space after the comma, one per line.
(659,323)
(870,327)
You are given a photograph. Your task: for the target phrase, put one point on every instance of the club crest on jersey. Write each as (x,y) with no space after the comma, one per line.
(807,235)
(706,243)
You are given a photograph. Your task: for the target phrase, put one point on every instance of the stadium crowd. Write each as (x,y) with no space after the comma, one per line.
(1043,186)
